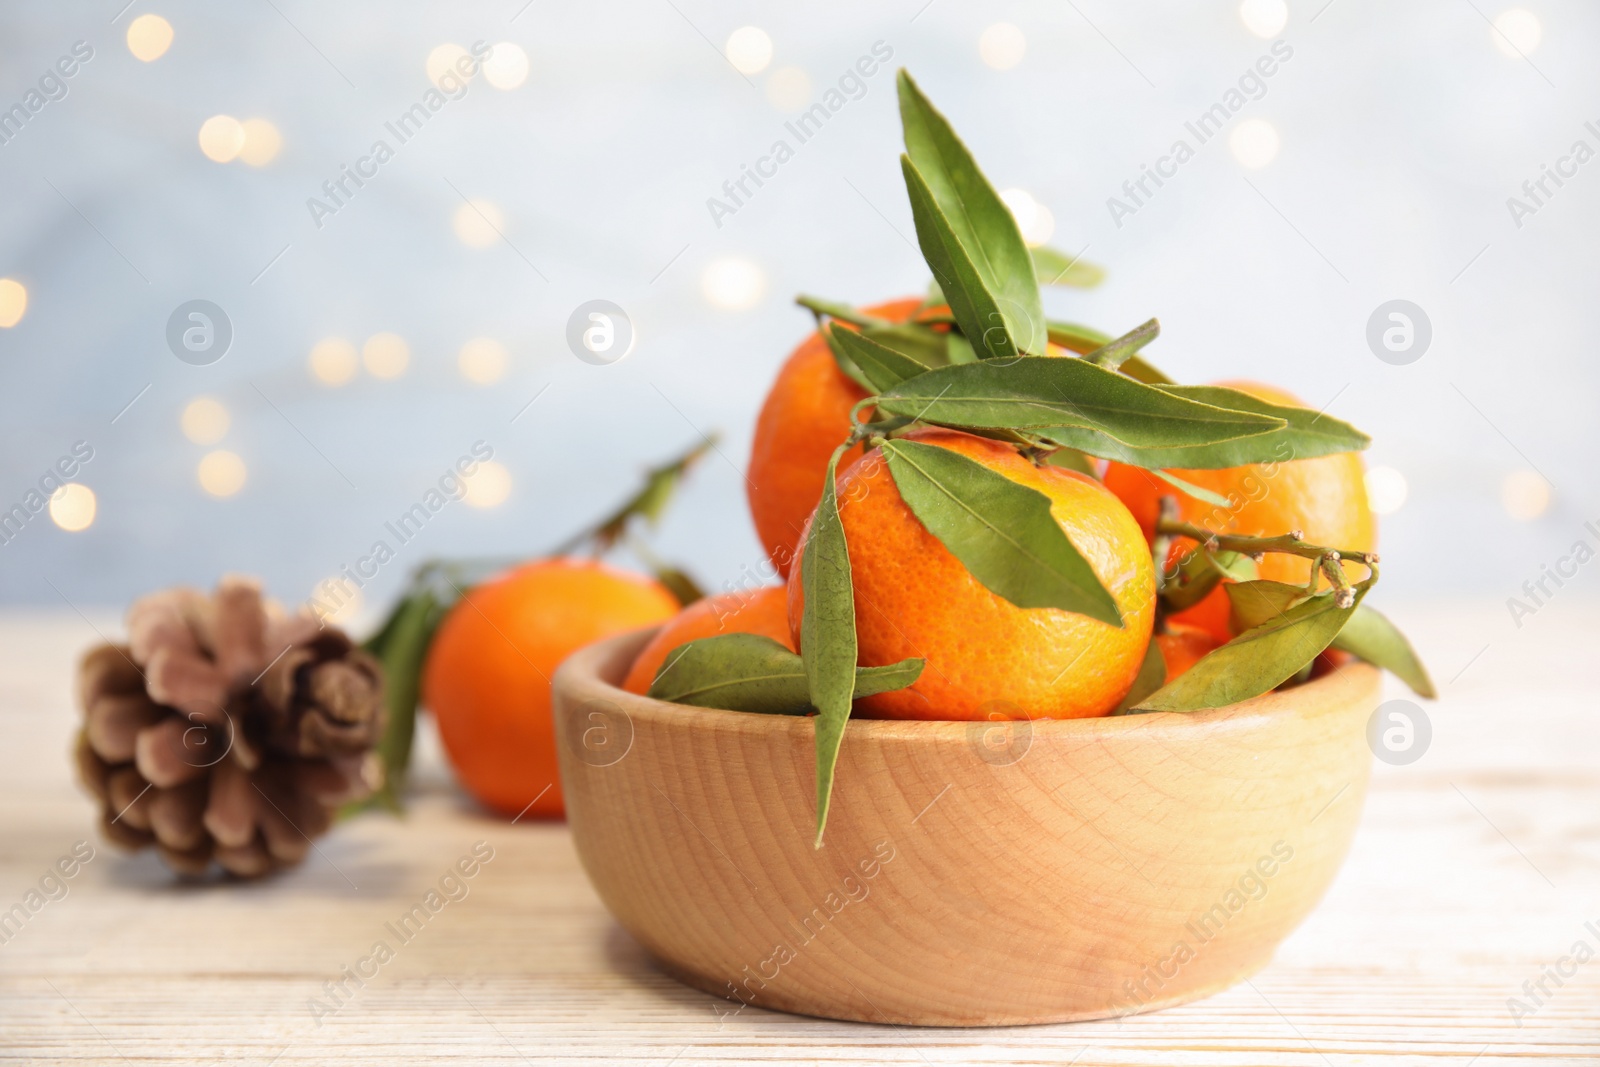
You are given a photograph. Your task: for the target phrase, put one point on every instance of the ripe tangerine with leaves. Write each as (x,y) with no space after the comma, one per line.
(761,611)
(1324,497)
(806,413)
(985,656)
(487,674)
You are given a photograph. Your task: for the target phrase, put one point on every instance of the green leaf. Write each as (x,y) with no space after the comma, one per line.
(979,256)
(1256,661)
(958,349)
(1084,340)
(1198,492)
(1234,565)
(841,312)
(1142,370)
(1258,602)
(837,309)
(379,640)
(1072,460)
(679,582)
(401,647)
(828,634)
(1372,637)
(870,681)
(882,365)
(1070,402)
(919,342)
(1306,434)
(1076,338)
(1199,572)
(648,503)
(841,355)
(998,327)
(1151,677)
(1114,354)
(1000,530)
(749,672)
(738,672)
(1053,267)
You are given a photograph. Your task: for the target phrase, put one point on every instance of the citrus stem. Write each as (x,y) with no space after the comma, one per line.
(1323,558)
(856,423)
(1290,543)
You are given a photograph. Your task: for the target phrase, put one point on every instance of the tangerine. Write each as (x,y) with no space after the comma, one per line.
(803,419)
(761,611)
(986,657)
(487,674)
(1324,497)
(1182,646)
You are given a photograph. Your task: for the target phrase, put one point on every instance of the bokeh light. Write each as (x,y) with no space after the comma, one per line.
(1254,143)
(732,283)
(13,302)
(386,355)
(483,360)
(1036,221)
(1264,18)
(478,223)
(1002,46)
(506,66)
(1517,32)
(337,600)
(205,421)
(261,142)
(334,361)
(1525,495)
(221,138)
(443,60)
(1386,490)
(221,473)
(789,89)
(149,37)
(488,486)
(72,507)
(749,49)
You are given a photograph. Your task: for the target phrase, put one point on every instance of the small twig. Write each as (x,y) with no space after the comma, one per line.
(857,424)
(1325,561)
(1290,543)
(1344,593)
(1161,545)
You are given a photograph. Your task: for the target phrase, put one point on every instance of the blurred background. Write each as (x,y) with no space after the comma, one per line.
(377,338)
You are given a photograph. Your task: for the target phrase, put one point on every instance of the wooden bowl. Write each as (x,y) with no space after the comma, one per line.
(973,874)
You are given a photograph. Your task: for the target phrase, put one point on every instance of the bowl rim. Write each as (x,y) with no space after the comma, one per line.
(592,667)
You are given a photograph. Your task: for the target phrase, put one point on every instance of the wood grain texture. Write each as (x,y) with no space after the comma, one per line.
(1472,871)
(974,873)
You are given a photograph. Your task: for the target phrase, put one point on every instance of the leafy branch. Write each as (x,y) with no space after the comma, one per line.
(401,641)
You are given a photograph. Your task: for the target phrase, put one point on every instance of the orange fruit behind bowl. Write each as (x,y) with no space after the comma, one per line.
(986,657)
(487,675)
(759,611)
(1324,497)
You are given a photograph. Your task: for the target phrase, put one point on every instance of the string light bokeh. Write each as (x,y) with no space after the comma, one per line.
(388,310)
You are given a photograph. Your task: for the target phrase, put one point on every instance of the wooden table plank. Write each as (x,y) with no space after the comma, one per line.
(1476,868)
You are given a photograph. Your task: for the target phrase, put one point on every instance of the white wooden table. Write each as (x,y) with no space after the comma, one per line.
(1477,867)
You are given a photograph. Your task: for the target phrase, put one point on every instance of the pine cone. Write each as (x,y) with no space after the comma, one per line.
(225,730)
